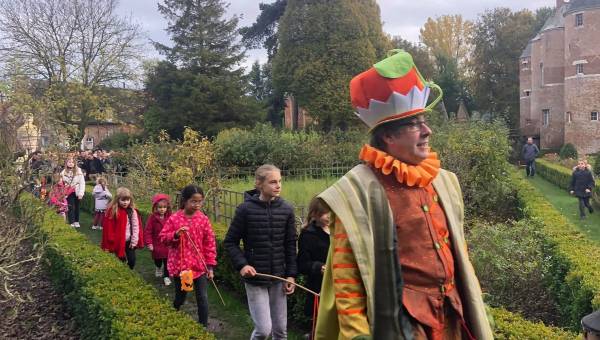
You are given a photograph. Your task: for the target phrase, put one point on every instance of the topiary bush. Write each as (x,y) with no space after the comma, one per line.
(568,151)
(511,267)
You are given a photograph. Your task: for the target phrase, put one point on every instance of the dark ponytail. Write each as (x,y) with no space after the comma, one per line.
(188,192)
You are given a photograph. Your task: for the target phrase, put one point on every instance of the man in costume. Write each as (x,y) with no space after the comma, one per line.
(398,266)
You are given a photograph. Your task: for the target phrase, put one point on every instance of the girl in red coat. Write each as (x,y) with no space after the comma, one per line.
(161,211)
(192,247)
(122,232)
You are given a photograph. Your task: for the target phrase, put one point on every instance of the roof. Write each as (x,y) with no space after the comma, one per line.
(580,5)
(557,20)
(527,51)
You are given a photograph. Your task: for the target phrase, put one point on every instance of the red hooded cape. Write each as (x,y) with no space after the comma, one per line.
(113,232)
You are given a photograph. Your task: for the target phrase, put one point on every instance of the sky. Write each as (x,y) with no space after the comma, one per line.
(400,17)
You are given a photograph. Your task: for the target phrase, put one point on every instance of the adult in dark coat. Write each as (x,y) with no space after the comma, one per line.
(582,184)
(530,152)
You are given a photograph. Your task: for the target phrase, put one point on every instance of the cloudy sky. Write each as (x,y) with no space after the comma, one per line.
(400,17)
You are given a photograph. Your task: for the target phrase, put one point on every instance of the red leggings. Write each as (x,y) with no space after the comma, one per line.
(98,218)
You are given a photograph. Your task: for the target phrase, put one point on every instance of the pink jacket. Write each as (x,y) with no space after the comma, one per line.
(202,235)
(154,226)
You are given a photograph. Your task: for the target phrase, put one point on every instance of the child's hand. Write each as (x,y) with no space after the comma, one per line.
(248,271)
(210,275)
(289,287)
(151,247)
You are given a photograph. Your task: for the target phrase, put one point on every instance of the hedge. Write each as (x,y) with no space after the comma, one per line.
(508,325)
(561,176)
(106,299)
(574,260)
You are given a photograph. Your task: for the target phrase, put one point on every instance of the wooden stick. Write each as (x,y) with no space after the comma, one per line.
(288,281)
(204,263)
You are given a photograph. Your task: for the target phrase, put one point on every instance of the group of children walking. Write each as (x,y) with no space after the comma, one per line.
(184,251)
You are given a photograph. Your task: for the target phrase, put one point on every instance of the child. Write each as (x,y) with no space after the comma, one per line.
(58,195)
(161,211)
(192,247)
(266,223)
(73,178)
(101,198)
(313,245)
(122,232)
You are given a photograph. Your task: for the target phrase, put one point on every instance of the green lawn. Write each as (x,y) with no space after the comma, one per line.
(569,207)
(226,322)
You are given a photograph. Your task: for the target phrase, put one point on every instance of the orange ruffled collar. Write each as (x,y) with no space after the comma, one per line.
(420,175)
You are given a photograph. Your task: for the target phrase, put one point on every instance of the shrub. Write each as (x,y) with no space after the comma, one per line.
(118,140)
(573,260)
(477,153)
(108,301)
(568,151)
(509,261)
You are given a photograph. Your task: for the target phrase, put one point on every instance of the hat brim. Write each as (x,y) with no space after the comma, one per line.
(400,116)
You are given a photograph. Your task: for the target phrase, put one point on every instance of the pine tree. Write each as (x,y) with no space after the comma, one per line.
(201,85)
(322,45)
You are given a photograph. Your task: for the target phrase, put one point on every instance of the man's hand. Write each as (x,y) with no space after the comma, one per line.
(289,287)
(572,192)
(178,232)
(248,271)
(210,275)
(588,190)
(151,247)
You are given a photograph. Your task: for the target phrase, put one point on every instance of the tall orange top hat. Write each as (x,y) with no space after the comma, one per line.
(392,89)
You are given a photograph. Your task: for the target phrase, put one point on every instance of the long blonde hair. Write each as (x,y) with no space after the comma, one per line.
(113,206)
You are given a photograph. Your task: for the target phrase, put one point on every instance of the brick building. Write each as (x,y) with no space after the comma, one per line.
(560,79)
(294,116)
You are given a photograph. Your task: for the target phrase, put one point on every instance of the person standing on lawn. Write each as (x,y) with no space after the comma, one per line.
(266,225)
(530,152)
(581,186)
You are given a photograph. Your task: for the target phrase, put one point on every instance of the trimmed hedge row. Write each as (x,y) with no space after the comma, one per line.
(107,300)
(574,260)
(512,326)
(560,176)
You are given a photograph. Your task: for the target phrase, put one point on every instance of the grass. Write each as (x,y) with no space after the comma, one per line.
(295,191)
(569,206)
(231,321)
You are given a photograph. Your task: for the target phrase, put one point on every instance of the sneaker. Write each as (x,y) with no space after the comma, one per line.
(167,281)
(94,227)
(158,272)
(99,227)
(76,224)
(72,225)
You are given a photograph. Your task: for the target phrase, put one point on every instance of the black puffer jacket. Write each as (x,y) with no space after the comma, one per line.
(313,245)
(581,180)
(268,232)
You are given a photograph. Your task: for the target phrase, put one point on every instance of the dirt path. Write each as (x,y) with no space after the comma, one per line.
(30,307)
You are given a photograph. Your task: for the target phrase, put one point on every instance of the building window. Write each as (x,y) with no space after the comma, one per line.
(546,117)
(594,115)
(541,74)
(527,93)
(569,117)
(579,69)
(578,19)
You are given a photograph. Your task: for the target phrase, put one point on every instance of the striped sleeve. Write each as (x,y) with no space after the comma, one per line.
(350,295)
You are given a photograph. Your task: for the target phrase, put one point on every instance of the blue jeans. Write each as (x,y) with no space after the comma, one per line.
(530,168)
(268,309)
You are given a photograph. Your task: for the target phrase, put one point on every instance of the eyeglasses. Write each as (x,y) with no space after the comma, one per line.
(416,125)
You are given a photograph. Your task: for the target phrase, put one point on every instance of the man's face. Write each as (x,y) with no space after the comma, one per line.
(410,143)
(529,140)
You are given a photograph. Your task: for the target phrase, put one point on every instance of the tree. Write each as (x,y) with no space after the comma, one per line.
(263,32)
(203,40)
(452,82)
(322,45)
(449,36)
(201,84)
(75,46)
(499,37)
